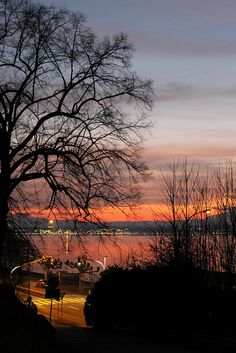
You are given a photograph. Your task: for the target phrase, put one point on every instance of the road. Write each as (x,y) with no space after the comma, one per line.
(68,311)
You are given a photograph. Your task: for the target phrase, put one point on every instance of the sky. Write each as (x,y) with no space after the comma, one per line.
(188,49)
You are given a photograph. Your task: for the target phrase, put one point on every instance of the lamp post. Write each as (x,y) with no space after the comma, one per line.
(15,268)
(185,226)
(103,264)
(206,211)
(29,266)
(19,266)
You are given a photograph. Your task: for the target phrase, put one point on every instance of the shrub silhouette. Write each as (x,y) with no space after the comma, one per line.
(164,298)
(21,329)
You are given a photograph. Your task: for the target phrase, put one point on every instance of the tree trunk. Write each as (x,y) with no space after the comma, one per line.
(3,220)
(4,192)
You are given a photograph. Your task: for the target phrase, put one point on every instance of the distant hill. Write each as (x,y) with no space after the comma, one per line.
(25,222)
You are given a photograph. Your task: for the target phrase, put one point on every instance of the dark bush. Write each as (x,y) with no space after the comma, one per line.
(21,329)
(173,298)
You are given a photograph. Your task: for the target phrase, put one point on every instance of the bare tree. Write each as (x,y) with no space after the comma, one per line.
(173,212)
(183,204)
(63,96)
(225,192)
(203,199)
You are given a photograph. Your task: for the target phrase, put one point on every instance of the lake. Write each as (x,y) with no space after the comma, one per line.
(98,250)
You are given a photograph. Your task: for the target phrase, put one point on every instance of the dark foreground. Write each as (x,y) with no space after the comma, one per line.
(23,330)
(87,340)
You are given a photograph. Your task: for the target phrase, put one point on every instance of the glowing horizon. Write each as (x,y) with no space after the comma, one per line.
(141,213)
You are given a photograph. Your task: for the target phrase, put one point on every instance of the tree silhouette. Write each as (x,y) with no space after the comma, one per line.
(63,98)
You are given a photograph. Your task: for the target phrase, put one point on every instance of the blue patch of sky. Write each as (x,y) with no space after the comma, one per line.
(188,47)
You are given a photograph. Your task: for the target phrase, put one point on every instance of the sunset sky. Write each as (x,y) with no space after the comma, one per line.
(188,48)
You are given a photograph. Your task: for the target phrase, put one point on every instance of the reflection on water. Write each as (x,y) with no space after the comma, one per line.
(116,249)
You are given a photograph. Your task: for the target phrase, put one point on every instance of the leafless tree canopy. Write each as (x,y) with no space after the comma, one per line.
(199,215)
(63,96)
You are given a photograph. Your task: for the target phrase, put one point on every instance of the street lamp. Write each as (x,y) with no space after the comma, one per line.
(103,264)
(19,266)
(15,268)
(185,228)
(206,211)
(29,264)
